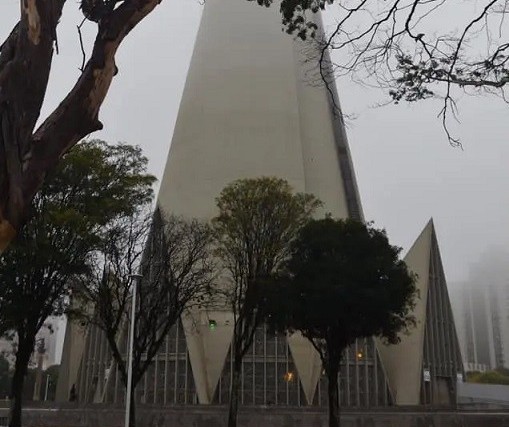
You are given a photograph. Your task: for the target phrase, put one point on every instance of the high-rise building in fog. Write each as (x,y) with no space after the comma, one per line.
(481,307)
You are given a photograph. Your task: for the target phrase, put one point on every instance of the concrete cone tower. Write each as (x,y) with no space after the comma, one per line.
(251,108)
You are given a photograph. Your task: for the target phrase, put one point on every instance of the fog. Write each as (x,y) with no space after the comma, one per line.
(406,170)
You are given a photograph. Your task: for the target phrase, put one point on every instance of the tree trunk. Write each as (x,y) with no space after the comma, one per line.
(132,410)
(332,373)
(25,62)
(25,348)
(234,392)
(7,234)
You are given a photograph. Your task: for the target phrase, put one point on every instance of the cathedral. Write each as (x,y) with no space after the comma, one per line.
(254,105)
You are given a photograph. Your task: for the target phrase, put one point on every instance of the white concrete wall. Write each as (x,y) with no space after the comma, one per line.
(403,362)
(246,111)
(72,355)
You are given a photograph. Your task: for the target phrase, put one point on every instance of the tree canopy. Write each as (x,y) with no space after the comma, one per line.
(351,272)
(94,186)
(344,281)
(258,219)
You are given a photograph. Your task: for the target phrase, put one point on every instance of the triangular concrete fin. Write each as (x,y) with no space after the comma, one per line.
(308,364)
(208,347)
(442,355)
(403,362)
(72,358)
(111,378)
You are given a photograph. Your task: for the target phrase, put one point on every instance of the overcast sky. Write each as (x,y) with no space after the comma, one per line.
(405,168)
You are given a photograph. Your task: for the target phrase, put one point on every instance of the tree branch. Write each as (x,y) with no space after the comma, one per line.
(23,86)
(25,62)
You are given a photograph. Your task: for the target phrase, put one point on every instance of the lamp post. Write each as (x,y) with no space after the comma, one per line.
(47,386)
(134,278)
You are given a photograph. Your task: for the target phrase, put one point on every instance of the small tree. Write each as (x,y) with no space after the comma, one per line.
(345,282)
(5,377)
(94,185)
(258,219)
(173,257)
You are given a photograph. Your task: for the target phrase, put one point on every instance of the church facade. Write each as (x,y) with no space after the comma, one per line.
(253,105)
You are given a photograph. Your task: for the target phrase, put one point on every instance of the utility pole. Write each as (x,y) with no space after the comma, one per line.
(135,279)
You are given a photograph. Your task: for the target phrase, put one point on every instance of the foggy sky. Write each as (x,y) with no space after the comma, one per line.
(405,168)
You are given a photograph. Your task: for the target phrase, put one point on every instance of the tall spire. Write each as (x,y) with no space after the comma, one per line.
(251,107)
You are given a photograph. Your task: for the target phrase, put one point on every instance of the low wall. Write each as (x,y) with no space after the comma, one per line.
(104,416)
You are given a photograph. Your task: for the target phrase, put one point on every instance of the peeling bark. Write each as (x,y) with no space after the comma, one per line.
(29,8)
(7,234)
(25,61)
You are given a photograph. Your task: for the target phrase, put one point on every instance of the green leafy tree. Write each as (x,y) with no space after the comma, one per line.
(344,282)
(257,221)
(94,185)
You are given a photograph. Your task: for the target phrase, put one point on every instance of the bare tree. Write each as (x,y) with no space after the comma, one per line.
(258,218)
(172,255)
(415,49)
(94,186)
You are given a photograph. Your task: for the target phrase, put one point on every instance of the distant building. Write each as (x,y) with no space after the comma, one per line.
(481,309)
(49,333)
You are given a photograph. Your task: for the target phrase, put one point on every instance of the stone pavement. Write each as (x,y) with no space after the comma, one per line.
(215,416)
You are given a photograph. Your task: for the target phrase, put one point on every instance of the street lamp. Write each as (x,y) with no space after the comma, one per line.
(134,278)
(47,386)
